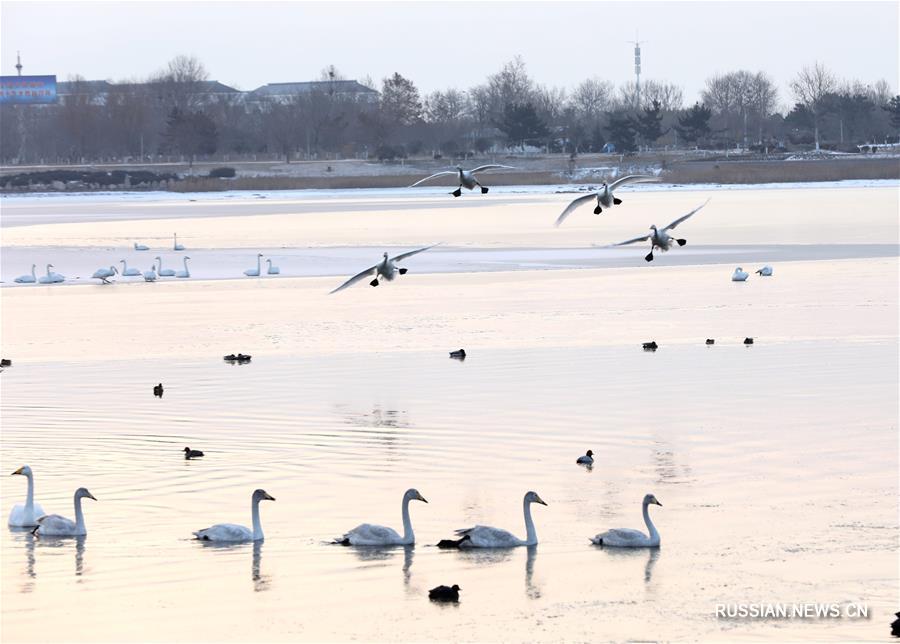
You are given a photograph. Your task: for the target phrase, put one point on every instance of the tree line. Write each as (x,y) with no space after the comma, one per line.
(169,114)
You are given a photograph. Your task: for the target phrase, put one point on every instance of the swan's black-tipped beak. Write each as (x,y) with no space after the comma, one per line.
(91,496)
(659,504)
(269,497)
(423,499)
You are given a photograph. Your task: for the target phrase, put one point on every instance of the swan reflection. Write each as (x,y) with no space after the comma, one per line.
(260,581)
(651,554)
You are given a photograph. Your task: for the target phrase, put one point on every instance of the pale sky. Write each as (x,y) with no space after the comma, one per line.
(452,44)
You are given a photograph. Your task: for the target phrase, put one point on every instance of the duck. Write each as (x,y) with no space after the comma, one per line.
(27,279)
(604,196)
(628,538)
(459,354)
(186,272)
(254,272)
(481,536)
(232,533)
(158,390)
(748,341)
(164,272)
(386,269)
(138,246)
(710,341)
(739,275)
(192,453)
(650,346)
(444,593)
(466,177)
(765,271)
(176,245)
(25,515)
(128,272)
(272,270)
(5,362)
(150,276)
(367,534)
(103,274)
(660,238)
(54,525)
(587,459)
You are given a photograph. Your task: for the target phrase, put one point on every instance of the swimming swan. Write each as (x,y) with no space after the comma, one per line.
(628,538)
(176,245)
(604,196)
(273,270)
(150,276)
(138,246)
(367,534)
(466,177)
(103,274)
(765,271)
(254,272)
(230,532)
(186,272)
(385,269)
(51,277)
(53,525)
(25,516)
(659,238)
(482,536)
(27,279)
(739,275)
(128,272)
(164,272)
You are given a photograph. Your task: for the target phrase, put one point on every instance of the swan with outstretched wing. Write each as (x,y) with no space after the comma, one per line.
(466,177)
(386,269)
(604,195)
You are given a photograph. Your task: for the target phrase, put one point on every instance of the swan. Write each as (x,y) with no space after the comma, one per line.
(150,276)
(254,272)
(232,532)
(273,270)
(103,274)
(176,245)
(367,534)
(466,177)
(659,238)
(164,272)
(628,538)
(482,536)
(765,271)
(138,246)
(385,268)
(51,277)
(25,516)
(739,275)
(185,272)
(587,459)
(128,272)
(53,525)
(27,279)
(604,195)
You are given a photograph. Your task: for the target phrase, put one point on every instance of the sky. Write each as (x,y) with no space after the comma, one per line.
(453,44)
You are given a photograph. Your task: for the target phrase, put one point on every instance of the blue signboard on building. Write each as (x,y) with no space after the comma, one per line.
(27,89)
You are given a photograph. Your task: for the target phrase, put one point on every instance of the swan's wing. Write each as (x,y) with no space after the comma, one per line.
(402,256)
(482,536)
(621,537)
(684,217)
(572,206)
(634,240)
(353,280)
(368,534)
(491,166)
(632,178)
(224,532)
(54,524)
(436,174)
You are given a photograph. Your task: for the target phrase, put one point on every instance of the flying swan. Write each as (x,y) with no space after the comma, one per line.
(482,536)
(367,534)
(385,268)
(604,196)
(25,516)
(466,177)
(628,538)
(660,238)
(229,532)
(53,525)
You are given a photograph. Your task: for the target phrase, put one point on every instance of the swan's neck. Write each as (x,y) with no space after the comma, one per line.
(79,516)
(48,270)
(257,527)
(29,499)
(160,263)
(258,263)
(32,270)
(185,263)
(530,532)
(408,535)
(124,266)
(654,535)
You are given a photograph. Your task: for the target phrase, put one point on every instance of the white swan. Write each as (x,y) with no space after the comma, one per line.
(138,246)
(176,245)
(26,515)
(164,272)
(385,268)
(254,272)
(482,536)
(103,274)
(273,270)
(128,272)
(739,275)
(587,459)
(466,177)
(367,534)
(186,272)
(27,279)
(765,271)
(660,238)
(604,195)
(54,525)
(628,538)
(231,532)
(150,276)
(51,277)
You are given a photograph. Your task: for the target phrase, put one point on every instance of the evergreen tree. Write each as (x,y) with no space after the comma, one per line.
(190,133)
(648,123)
(521,124)
(893,108)
(693,124)
(620,129)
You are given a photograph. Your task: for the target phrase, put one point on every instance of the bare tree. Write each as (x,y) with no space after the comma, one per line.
(591,97)
(810,87)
